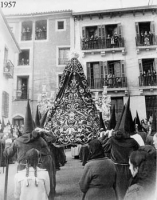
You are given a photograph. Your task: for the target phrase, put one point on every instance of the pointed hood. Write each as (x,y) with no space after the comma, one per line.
(28,123)
(43,119)
(126,124)
(37,118)
(138,122)
(101,121)
(119,119)
(112,122)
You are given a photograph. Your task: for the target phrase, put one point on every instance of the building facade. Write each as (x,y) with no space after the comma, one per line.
(118,49)
(45,40)
(8,50)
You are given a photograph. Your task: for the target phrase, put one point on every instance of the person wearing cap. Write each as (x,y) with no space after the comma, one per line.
(34,138)
(119,146)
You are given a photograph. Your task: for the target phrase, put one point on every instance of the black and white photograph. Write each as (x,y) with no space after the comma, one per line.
(78,100)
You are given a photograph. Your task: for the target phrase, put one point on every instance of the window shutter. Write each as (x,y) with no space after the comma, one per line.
(140,66)
(103,31)
(155,64)
(83,32)
(101,69)
(122,68)
(19,83)
(152,27)
(119,30)
(99,32)
(137,28)
(105,69)
(88,71)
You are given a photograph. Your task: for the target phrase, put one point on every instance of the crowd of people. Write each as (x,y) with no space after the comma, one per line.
(148,78)
(146,38)
(95,42)
(120,164)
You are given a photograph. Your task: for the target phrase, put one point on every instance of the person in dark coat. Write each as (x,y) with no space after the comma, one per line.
(119,146)
(143,169)
(99,176)
(34,139)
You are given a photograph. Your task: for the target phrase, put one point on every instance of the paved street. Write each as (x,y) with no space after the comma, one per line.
(67,180)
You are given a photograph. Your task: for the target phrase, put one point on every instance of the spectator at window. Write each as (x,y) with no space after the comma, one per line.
(92,42)
(27,62)
(44,32)
(112,41)
(22,61)
(144,78)
(146,39)
(142,38)
(116,39)
(149,75)
(24,36)
(154,77)
(108,41)
(150,37)
(110,80)
(28,33)
(24,92)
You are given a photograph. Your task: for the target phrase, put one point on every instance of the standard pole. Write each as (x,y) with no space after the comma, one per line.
(6,178)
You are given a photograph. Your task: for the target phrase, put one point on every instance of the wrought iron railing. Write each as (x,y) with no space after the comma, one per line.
(148,80)
(146,40)
(9,69)
(98,83)
(99,43)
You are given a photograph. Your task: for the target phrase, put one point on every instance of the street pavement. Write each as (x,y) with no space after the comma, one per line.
(67,179)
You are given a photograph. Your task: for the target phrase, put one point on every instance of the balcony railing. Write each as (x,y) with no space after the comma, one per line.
(148,80)
(98,83)
(21,94)
(99,43)
(9,69)
(63,61)
(146,40)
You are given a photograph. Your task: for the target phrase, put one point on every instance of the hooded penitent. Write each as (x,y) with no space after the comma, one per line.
(102,126)
(119,119)
(43,119)
(37,118)
(112,122)
(73,106)
(137,121)
(28,123)
(127,125)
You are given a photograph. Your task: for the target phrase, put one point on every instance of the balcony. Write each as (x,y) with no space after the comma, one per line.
(9,69)
(146,43)
(103,44)
(148,80)
(98,83)
(21,94)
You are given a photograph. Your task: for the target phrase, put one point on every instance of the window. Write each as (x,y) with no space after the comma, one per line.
(22,87)
(26,32)
(24,58)
(63,56)
(145,33)
(5,104)
(41,30)
(60,25)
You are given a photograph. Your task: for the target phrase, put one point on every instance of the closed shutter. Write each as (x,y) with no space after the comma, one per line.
(89,74)
(19,83)
(155,64)
(99,32)
(103,31)
(140,66)
(83,32)
(119,30)
(152,29)
(137,33)
(122,68)
(105,69)
(117,69)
